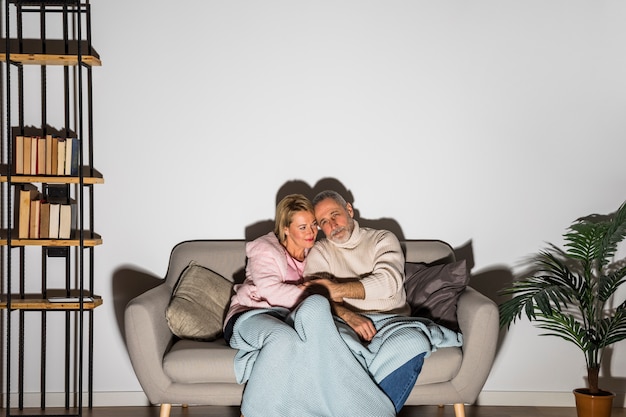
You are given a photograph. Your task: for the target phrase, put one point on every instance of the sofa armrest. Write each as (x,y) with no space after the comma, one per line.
(478,320)
(147,338)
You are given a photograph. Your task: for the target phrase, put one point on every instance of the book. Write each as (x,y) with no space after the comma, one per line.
(48,141)
(54,156)
(75,157)
(67,220)
(27,194)
(26,155)
(18,152)
(53,227)
(71,156)
(69,144)
(61,156)
(34,149)
(44,222)
(41,156)
(70,299)
(35,216)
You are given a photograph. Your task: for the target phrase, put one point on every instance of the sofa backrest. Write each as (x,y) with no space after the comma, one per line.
(427,251)
(228,257)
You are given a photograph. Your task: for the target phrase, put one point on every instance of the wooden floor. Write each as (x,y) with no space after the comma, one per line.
(409,411)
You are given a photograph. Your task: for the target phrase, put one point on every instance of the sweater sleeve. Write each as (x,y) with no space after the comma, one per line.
(387,277)
(317,261)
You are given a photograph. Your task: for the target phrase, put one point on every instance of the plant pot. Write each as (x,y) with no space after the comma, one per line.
(596,405)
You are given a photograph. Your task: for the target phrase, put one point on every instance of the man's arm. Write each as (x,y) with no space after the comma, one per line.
(337,291)
(362,325)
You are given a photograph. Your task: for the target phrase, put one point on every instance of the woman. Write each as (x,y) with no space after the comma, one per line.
(276,262)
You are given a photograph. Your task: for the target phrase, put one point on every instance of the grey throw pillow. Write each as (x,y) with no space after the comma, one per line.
(433,291)
(199,302)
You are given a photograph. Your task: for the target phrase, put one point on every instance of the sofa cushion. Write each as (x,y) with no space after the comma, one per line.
(194,362)
(198,304)
(441,366)
(432,291)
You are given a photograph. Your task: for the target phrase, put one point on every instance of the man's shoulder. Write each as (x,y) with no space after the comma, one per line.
(378,233)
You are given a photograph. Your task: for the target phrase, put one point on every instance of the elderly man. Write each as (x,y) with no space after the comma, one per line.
(361,268)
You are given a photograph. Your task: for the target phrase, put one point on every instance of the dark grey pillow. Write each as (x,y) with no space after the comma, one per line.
(198,305)
(433,291)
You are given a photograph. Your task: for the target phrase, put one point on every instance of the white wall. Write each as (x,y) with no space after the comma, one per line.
(488,124)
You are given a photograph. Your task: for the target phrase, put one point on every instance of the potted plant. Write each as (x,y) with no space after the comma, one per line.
(571,293)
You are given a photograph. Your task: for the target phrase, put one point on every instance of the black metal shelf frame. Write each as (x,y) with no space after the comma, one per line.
(78,261)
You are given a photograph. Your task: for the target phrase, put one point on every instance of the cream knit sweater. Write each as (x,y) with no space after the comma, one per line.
(374,256)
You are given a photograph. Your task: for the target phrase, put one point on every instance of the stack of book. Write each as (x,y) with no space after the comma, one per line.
(49,155)
(41,217)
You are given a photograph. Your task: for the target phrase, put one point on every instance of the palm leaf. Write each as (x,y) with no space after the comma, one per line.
(564,326)
(568,292)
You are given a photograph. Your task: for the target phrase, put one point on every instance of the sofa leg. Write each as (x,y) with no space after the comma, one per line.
(459,410)
(165,410)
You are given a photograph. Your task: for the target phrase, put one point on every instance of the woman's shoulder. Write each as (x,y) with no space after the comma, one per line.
(264,244)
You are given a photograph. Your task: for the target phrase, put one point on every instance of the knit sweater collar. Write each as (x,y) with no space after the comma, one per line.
(354,240)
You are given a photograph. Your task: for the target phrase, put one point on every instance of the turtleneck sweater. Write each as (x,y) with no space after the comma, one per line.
(375,258)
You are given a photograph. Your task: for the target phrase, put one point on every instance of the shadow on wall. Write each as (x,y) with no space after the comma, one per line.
(129,282)
(488,282)
(300,187)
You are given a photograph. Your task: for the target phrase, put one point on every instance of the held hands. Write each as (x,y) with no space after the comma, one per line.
(336,292)
(324,286)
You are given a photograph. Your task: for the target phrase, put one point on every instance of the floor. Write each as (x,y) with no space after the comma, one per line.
(412,411)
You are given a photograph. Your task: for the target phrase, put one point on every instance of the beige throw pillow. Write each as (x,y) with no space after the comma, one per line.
(199,303)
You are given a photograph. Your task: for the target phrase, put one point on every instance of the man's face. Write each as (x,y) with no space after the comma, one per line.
(335,221)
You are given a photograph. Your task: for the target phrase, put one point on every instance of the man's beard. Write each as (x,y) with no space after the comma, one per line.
(347,230)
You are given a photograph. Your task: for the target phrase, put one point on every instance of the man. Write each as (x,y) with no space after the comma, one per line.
(361,268)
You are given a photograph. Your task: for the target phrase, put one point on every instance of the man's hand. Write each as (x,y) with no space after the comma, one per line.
(338,290)
(360,324)
(323,286)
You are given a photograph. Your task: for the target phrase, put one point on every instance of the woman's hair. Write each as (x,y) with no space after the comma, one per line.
(285,210)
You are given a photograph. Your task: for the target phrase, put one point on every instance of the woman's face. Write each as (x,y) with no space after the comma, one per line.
(303,229)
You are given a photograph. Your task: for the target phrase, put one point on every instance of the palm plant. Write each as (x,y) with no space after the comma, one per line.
(571,293)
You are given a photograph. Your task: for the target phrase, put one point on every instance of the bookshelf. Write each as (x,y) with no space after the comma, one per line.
(47,60)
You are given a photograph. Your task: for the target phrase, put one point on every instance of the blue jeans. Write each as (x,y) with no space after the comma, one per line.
(398,384)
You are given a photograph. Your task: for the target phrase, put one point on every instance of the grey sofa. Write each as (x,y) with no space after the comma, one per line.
(173,371)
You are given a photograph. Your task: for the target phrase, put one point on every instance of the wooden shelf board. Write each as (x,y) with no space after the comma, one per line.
(90,176)
(49,52)
(93,239)
(51,59)
(39,303)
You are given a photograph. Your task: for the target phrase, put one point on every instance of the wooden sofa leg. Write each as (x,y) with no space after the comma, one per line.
(165,410)
(459,410)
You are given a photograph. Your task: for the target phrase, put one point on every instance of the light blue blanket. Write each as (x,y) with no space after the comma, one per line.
(306,363)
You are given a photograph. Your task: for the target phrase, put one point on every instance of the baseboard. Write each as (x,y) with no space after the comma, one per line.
(486,398)
(100,399)
(537,399)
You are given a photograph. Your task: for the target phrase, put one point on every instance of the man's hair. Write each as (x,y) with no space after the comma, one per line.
(323,195)
(285,210)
